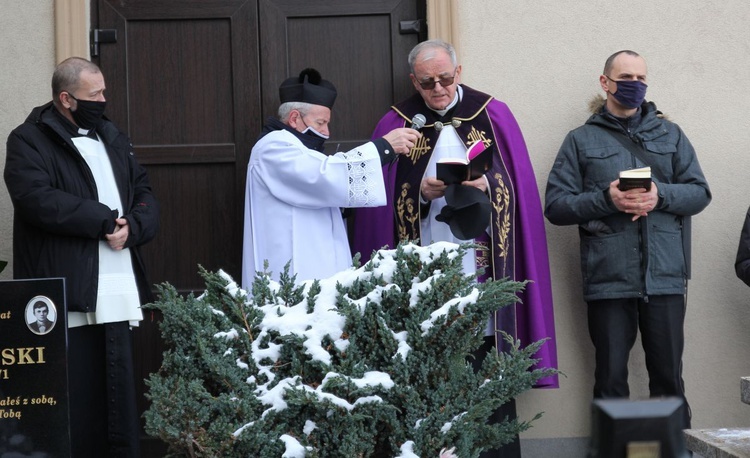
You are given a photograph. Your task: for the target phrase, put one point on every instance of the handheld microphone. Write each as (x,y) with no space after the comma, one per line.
(418,121)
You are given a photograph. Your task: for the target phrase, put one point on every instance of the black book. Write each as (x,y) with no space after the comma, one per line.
(457,170)
(635,178)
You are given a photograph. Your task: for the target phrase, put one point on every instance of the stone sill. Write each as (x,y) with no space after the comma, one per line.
(719,443)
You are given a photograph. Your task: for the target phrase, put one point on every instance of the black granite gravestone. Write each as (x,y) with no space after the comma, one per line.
(33,369)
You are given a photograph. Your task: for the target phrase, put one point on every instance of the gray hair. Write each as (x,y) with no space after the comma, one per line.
(430,46)
(67,75)
(286,108)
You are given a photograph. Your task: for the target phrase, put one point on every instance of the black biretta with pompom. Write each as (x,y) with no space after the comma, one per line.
(308,87)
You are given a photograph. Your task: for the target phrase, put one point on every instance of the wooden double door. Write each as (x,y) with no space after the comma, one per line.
(192,82)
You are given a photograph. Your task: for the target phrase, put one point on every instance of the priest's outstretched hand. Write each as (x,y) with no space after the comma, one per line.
(402,140)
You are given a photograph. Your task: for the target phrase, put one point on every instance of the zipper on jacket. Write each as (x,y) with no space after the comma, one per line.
(642,241)
(643,255)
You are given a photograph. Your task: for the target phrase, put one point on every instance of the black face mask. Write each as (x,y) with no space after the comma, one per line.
(88,112)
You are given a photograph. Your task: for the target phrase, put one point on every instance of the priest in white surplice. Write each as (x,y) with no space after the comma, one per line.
(295,192)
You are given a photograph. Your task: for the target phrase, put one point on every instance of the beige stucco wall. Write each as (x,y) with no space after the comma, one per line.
(544,59)
(27,52)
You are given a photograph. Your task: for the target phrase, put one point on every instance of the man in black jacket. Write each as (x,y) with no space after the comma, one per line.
(82,208)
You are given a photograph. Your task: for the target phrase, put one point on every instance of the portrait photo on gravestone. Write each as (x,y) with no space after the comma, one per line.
(33,369)
(41,315)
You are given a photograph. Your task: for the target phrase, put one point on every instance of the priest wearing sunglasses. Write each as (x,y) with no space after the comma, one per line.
(500,210)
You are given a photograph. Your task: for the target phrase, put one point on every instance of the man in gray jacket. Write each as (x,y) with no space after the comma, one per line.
(635,251)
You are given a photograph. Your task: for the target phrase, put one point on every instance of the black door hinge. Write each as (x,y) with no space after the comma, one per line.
(99,36)
(414,26)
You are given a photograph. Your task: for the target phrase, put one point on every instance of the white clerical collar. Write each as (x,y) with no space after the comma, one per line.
(83,132)
(456,98)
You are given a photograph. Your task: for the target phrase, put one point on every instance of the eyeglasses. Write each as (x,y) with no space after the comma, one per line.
(444,81)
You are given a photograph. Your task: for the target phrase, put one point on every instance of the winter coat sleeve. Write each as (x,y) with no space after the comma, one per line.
(566,199)
(687,191)
(742,262)
(35,184)
(143,215)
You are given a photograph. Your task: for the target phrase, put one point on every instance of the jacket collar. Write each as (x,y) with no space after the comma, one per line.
(54,123)
(649,117)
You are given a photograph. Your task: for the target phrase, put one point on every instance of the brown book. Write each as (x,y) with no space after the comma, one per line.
(457,170)
(635,178)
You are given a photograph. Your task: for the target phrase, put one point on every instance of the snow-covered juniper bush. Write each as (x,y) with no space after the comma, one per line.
(372,362)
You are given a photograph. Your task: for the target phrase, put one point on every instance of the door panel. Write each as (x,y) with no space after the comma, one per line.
(355,45)
(195,78)
(182,79)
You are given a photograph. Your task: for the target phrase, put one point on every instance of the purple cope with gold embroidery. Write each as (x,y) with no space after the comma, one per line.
(516,246)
